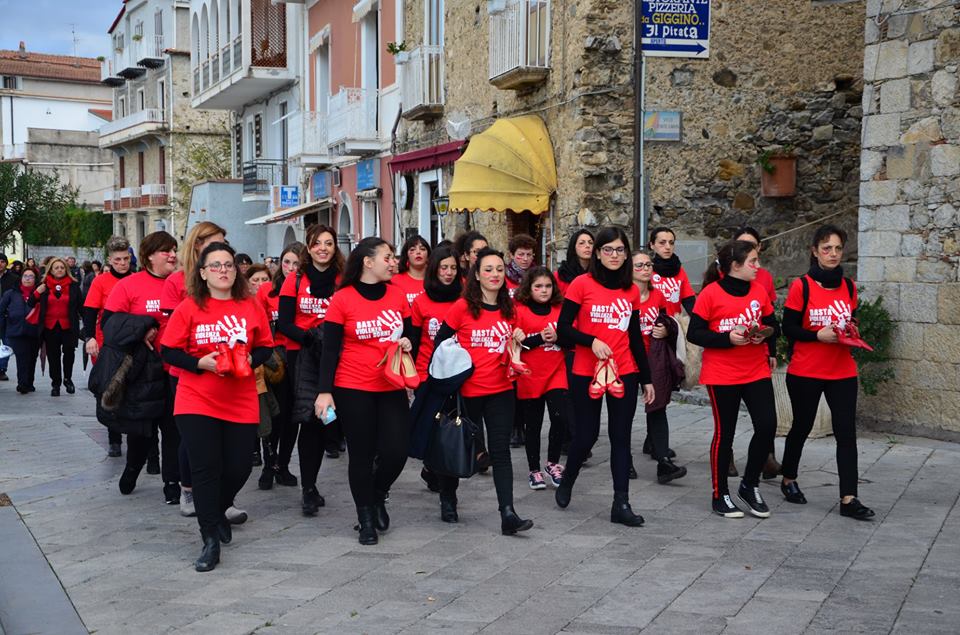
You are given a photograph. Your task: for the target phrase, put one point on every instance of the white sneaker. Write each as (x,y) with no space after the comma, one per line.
(235,516)
(187,507)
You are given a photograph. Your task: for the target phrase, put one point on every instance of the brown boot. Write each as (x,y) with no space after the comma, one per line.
(771,469)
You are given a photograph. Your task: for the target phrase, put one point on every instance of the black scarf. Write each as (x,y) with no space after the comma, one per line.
(607,278)
(445,292)
(322,283)
(538,308)
(371,292)
(734,286)
(667,267)
(569,270)
(119,276)
(829,278)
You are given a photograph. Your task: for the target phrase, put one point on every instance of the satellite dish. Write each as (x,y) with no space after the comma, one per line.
(459,126)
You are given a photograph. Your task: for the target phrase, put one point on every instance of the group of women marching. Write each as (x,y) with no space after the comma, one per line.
(229,369)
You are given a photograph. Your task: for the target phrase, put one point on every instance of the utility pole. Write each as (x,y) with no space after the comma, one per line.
(639,220)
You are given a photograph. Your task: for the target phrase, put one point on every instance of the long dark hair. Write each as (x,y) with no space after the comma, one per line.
(463,242)
(366,248)
(750,231)
(197,287)
(622,276)
(734,251)
(314,232)
(278,276)
(522,294)
(572,244)
(409,244)
(431,281)
(823,233)
(474,296)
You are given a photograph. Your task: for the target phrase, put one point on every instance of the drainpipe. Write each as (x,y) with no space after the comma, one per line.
(639,221)
(393,181)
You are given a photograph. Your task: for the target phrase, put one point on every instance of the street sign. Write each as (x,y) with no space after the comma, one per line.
(662,125)
(676,28)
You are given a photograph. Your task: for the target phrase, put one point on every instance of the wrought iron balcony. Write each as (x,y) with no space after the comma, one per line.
(519,43)
(423,87)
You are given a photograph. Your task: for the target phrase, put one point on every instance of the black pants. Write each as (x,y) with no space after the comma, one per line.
(220,460)
(658,431)
(496,413)
(841,396)
(620,414)
(26,350)
(61,346)
(283,436)
(531,416)
(183,457)
(138,446)
(725,401)
(314,438)
(377,425)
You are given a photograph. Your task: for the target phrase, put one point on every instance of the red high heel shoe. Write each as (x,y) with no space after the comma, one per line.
(224,359)
(408,369)
(850,336)
(392,365)
(598,385)
(614,383)
(511,358)
(241,360)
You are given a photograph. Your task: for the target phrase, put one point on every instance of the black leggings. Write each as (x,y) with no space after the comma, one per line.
(377,425)
(314,437)
(220,461)
(283,436)
(60,345)
(26,349)
(725,401)
(620,414)
(496,413)
(658,431)
(531,418)
(841,396)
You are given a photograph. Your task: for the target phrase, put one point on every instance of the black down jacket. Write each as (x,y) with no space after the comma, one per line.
(128,379)
(306,382)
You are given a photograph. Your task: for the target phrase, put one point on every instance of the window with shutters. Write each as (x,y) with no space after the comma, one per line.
(163,165)
(140,166)
(123,173)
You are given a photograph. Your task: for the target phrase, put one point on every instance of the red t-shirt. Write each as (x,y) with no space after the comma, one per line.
(58,308)
(511,287)
(138,294)
(649,311)
(173,293)
(97,296)
(548,370)
(272,306)
(485,338)
(197,331)
(309,311)
(605,314)
(369,327)
(410,286)
(824,308)
(674,290)
(765,280)
(428,316)
(724,312)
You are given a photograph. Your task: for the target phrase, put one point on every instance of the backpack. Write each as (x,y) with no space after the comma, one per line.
(806,299)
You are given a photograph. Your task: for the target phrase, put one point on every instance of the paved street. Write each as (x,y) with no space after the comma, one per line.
(125,562)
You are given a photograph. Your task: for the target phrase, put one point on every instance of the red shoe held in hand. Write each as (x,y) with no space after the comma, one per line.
(241,360)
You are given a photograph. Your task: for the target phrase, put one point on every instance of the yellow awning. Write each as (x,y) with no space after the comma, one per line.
(507,167)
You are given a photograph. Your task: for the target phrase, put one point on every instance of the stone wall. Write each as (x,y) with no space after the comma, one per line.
(909,197)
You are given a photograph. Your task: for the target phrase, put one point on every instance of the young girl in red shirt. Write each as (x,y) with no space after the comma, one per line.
(484,323)
(538,308)
(669,276)
(304,299)
(365,318)
(604,305)
(412,267)
(734,323)
(820,365)
(217,336)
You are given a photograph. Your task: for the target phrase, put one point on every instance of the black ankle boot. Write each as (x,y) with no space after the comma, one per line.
(448,509)
(128,480)
(510,523)
(564,491)
(266,477)
(210,556)
(380,517)
(668,471)
(312,501)
(622,513)
(430,480)
(368,531)
(225,531)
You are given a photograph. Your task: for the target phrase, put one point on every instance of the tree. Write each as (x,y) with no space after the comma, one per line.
(28,196)
(75,227)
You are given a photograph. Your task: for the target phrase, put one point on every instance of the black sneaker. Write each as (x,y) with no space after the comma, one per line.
(171,493)
(856,510)
(284,477)
(724,506)
(68,384)
(3,376)
(114,450)
(667,471)
(153,465)
(755,505)
(312,501)
(266,478)
(792,493)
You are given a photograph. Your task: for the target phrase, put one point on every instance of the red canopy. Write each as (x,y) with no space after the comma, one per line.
(427,158)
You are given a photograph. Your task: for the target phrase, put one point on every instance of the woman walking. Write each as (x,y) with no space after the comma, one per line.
(669,276)
(366,316)
(734,323)
(604,305)
(216,337)
(304,299)
(412,267)
(22,336)
(59,297)
(579,250)
(483,321)
(818,305)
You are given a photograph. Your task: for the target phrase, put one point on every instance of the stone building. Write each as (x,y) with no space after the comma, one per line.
(161,144)
(909,197)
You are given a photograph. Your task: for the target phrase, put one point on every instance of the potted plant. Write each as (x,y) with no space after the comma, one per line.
(399,51)
(136,37)
(778,172)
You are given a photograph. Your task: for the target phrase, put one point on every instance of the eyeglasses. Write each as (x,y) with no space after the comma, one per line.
(220,266)
(643,265)
(609,251)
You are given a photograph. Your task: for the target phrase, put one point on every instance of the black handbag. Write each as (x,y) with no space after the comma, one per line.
(450,449)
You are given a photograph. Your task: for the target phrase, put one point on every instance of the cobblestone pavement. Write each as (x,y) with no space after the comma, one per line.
(125,561)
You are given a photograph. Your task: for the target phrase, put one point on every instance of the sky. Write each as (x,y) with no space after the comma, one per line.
(45,25)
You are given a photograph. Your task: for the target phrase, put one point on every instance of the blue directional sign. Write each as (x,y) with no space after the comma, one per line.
(676,28)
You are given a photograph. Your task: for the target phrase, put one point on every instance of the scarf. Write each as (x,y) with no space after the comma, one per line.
(734,286)
(26,292)
(322,283)
(608,278)
(537,308)
(829,278)
(666,267)
(57,287)
(569,270)
(444,292)
(514,272)
(119,276)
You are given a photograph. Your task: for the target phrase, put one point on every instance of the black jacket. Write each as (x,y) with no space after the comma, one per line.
(73,310)
(306,382)
(666,370)
(128,379)
(13,315)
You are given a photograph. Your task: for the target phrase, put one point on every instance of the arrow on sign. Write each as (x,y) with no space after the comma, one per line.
(696,49)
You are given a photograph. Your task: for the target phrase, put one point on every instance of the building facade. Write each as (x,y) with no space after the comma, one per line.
(161,144)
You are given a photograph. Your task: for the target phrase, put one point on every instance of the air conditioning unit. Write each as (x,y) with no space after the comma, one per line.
(336,177)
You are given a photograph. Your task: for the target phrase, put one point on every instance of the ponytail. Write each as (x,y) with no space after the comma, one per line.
(734,251)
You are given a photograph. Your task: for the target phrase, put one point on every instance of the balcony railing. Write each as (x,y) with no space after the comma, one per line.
(308,137)
(111,200)
(225,60)
(205,74)
(423,88)
(108,74)
(153,52)
(196,80)
(520,43)
(147,115)
(268,27)
(13,151)
(129,197)
(153,195)
(215,68)
(353,116)
(237,52)
(260,175)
